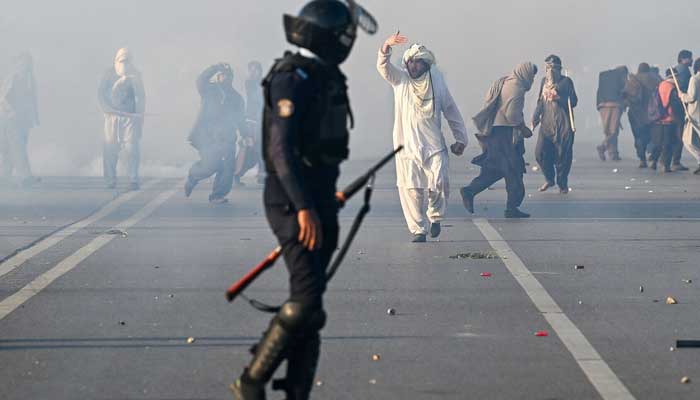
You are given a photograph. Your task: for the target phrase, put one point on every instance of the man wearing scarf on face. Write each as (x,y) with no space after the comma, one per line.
(421,98)
(501,129)
(221,116)
(555,143)
(123,119)
(18,114)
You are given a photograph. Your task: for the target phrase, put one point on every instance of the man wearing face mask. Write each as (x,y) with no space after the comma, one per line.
(124,119)
(249,155)
(18,115)
(555,143)
(501,130)
(214,135)
(421,99)
(305,138)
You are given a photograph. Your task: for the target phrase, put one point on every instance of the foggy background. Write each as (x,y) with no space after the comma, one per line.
(74,41)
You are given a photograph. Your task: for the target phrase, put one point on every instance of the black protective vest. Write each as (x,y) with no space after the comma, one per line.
(324,135)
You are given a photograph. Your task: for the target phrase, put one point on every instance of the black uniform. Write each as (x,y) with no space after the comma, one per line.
(305,137)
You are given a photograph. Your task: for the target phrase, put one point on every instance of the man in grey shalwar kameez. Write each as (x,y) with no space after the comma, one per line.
(555,143)
(18,114)
(501,129)
(123,102)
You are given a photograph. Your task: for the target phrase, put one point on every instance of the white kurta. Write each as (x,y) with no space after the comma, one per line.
(424,162)
(692,99)
(421,137)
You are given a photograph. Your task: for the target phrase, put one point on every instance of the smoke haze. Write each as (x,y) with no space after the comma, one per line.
(74,41)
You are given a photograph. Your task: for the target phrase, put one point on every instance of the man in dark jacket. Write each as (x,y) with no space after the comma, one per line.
(638,92)
(555,144)
(214,134)
(610,102)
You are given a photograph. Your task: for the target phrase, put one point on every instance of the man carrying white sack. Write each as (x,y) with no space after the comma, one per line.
(421,98)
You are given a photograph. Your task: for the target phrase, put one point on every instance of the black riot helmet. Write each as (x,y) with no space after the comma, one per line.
(328,28)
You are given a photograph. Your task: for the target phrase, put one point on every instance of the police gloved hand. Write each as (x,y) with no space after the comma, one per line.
(458,148)
(310,234)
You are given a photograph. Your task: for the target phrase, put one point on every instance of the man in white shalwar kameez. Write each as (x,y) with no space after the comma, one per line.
(421,98)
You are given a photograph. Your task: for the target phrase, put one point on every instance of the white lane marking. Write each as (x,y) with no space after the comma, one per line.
(596,369)
(25,255)
(41,282)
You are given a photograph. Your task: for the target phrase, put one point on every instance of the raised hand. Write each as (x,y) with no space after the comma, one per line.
(393,40)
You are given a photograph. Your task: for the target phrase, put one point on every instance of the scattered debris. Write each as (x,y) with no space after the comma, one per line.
(578,267)
(319,383)
(535,168)
(685,380)
(156,267)
(673,348)
(633,179)
(641,289)
(628,187)
(376,357)
(580,302)
(688,281)
(476,255)
(541,333)
(651,191)
(117,232)
(616,170)
(655,300)
(246,239)
(486,274)
(190,340)
(647,181)
(391,311)
(671,300)
(171,295)
(372,381)
(122,323)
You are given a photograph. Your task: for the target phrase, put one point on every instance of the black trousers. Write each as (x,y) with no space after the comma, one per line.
(678,144)
(555,159)
(219,159)
(642,139)
(664,138)
(307,269)
(502,160)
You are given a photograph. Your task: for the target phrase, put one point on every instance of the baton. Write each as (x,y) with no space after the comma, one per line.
(342,197)
(571,109)
(685,106)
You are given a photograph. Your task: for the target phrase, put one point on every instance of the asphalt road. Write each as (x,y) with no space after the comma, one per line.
(91,313)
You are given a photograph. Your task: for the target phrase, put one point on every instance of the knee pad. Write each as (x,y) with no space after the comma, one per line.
(296,316)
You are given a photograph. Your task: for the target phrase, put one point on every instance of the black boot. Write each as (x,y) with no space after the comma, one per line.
(244,389)
(515,213)
(435,229)
(467,199)
(301,368)
(601,152)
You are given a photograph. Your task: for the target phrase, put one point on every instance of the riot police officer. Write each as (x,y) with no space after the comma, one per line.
(305,138)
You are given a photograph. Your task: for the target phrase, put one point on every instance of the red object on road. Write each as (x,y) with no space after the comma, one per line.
(541,334)
(486,274)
